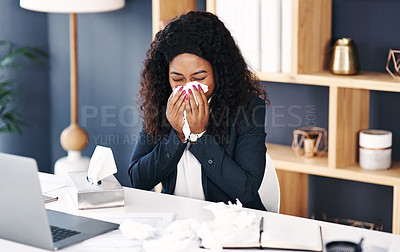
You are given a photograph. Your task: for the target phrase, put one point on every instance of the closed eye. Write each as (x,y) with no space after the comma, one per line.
(199,79)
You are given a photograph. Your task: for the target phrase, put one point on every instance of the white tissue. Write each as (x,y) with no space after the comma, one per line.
(229,221)
(231,215)
(138,231)
(101,165)
(190,86)
(181,235)
(178,236)
(184,228)
(168,243)
(187,87)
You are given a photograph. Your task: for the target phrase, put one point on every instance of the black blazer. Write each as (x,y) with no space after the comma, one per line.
(235,171)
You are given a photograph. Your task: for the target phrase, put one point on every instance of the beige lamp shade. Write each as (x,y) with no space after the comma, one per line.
(72,6)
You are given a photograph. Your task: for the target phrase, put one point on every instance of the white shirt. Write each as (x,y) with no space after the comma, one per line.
(188,178)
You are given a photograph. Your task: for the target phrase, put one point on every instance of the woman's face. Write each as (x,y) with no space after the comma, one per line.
(187,67)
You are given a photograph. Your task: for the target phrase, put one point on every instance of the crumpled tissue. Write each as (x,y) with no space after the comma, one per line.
(138,231)
(229,220)
(187,87)
(101,165)
(178,236)
(182,234)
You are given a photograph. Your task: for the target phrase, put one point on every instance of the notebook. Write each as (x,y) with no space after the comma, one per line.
(23,217)
(278,233)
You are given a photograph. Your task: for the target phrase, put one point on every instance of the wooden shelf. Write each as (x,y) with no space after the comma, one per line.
(365,80)
(285,159)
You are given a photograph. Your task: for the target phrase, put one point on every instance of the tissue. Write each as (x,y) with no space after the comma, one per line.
(86,190)
(101,165)
(189,86)
(137,231)
(229,220)
(178,236)
(181,235)
(232,215)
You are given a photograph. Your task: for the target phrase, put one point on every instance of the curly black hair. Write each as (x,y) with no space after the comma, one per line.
(202,34)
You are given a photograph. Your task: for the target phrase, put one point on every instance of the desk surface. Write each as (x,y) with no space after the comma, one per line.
(140,201)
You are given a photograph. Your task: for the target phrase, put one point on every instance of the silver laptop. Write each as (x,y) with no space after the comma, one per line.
(23,217)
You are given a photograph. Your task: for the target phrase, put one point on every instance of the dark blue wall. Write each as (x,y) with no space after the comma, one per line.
(26,28)
(111,48)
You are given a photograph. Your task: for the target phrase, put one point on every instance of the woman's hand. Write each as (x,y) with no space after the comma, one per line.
(197,115)
(174,113)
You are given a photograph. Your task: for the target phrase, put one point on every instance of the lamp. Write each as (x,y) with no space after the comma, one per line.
(73,138)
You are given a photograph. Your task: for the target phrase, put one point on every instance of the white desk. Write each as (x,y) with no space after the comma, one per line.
(144,201)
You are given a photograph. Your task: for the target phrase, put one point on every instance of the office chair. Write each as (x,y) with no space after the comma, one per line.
(269,190)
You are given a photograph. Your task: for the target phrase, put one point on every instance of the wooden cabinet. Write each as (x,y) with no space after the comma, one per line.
(348,108)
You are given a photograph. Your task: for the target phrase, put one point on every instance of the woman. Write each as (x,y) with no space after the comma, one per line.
(223,157)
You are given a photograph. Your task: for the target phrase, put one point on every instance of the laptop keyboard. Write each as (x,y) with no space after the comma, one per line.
(61,233)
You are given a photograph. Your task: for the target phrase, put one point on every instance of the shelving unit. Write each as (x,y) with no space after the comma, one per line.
(286,160)
(365,80)
(348,108)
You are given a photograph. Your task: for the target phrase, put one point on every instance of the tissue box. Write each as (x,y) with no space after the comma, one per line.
(86,196)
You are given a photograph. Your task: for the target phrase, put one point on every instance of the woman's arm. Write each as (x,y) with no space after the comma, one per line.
(240,176)
(151,163)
